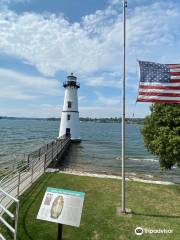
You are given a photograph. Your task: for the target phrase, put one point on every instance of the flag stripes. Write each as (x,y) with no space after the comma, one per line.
(159,83)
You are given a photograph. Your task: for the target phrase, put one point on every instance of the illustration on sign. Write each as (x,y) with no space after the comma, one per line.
(62,206)
(57,207)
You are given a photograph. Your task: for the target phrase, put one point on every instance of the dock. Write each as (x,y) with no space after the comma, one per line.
(19,176)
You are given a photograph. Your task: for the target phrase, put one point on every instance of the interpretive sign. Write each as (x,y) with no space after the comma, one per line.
(62,206)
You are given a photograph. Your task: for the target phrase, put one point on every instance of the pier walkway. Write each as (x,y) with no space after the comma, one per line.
(20,176)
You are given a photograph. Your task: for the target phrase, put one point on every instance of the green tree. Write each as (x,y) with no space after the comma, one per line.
(161,133)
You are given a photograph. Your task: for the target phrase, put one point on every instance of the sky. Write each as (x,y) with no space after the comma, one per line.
(41,42)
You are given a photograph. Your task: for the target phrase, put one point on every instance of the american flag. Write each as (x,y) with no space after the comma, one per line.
(159,82)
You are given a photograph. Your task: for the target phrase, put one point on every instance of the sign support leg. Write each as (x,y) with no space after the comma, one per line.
(59,231)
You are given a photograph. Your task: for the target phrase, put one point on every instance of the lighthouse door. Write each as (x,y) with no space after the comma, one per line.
(67,131)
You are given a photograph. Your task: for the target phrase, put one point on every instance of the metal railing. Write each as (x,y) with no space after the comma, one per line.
(18,179)
(14,217)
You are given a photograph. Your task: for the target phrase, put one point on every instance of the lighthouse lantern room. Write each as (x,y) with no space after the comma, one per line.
(70,114)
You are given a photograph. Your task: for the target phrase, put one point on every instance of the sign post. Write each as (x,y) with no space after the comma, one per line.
(59,231)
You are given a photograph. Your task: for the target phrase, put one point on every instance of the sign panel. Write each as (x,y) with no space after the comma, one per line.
(62,206)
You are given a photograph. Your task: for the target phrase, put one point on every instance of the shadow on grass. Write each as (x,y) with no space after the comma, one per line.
(37,187)
(155,215)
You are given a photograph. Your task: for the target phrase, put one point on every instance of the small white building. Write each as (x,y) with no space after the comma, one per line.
(70,114)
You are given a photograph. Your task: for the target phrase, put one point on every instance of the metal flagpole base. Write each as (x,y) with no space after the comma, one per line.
(120,212)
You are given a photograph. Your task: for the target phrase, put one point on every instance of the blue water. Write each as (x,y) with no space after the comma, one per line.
(99,151)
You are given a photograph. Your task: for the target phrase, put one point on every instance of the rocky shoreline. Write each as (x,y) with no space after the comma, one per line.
(100,175)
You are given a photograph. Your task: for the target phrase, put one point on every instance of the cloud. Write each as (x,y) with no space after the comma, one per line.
(33,110)
(80,98)
(107,101)
(15,85)
(51,44)
(12,92)
(92,47)
(4,4)
(95,111)
(100,82)
(49,110)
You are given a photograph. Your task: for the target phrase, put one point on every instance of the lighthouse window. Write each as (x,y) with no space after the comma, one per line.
(68,117)
(69,104)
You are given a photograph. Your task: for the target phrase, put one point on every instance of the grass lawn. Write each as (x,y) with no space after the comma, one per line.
(153,206)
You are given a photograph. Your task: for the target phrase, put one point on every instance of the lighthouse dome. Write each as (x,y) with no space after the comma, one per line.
(71,82)
(71,77)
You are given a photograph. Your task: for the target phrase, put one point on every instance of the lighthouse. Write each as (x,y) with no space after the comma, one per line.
(70,114)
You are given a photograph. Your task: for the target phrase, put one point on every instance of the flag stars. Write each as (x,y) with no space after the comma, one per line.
(152,72)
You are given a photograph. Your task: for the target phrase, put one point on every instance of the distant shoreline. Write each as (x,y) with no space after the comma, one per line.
(82,119)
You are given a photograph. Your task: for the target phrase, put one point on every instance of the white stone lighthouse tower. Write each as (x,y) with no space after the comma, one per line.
(70,114)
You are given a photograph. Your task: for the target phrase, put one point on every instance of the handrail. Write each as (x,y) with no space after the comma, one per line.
(14,171)
(1,237)
(64,137)
(13,162)
(20,177)
(7,211)
(11,228)
(9,196)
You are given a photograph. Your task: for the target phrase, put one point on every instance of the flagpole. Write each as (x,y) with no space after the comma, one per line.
(123,209)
